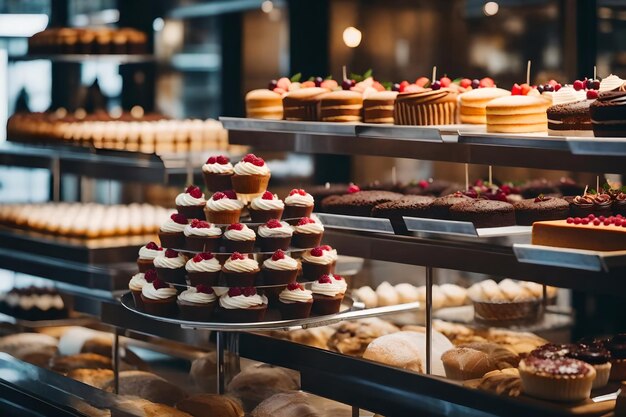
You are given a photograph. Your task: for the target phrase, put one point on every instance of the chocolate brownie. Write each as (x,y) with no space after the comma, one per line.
(410,206)
(534,188)
(440,208)
(540,209)
(484,213)
(360,203)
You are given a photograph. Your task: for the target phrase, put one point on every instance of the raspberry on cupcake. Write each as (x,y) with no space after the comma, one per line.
(307,233)
(251,175)
(328,294)
(266,207)
(223,208)
(191,203)
(136,284)
(197,303)
(240,271)
(147,254)
(298,204)
(295,302)
(202,236)
(279,269)
(318,261)
(243,305)
(216,173)
(171,232)
(239,238)
(170,266)
(204,268)
(274,235)
(159,298)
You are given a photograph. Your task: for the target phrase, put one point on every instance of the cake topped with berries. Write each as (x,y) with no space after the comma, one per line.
(592,233)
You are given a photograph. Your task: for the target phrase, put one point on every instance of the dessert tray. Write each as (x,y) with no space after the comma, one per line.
(350,310)
(587,260)
(356,223)
(525,140)
(504,235)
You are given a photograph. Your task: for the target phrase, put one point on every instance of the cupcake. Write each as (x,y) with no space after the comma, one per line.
(581,206)
(137,283)
(298,204)
(427,107)
(619,204)
(317,262)
(204,268)
(146,256)
(251,175)
(171,232)
(191,203)
(307,233)
(223,208)
(239,271)
(617,346)
(170,266)
(239,238)
(295,302)
(197,303)
(303,104)
(266,207)
(327,295)
(274,235)
(341,106)
(217,173)
(602,205)
(563,379)
(279,269)
(201,236)
(243,305)
(159,298)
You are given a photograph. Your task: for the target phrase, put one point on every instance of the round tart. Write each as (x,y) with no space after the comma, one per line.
(565,379)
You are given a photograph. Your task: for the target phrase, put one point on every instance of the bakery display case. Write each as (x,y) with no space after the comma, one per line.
(244,298)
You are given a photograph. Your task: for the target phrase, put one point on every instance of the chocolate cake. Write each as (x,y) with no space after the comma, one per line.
(540,209)
(608,114)
(484,213)
(440,208)
(409,206)
(569,118)
(360,203)
(534,188)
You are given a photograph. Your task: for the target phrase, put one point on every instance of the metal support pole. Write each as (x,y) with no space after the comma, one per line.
(219,342)
(116,361)
(56,180)
(429,318)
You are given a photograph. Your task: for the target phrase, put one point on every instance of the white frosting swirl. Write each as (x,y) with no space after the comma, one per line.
(567,94)
(242,235)
(610,83)
(341,282)
(212,230)
(137,282)
(285,264)
(284,231)
(300,200)
(170,226)
(241,265)
(224,204)
(330,289)
(218,168)
(163,261)
(191,295)
(261,204)
(288,296)
(152,293)
(206,265)
(186,199)
(309,228)
(145,253)
(247,168)
(325,259)
(241,301)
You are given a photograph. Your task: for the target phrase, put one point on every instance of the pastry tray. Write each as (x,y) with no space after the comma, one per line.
(355,223)
(350,310)
(287,126)
(586,260)
(524,140)
(446,228)
(597,146)
(89,251)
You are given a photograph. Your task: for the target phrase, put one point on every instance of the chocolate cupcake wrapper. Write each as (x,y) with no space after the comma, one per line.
(138,301)
(297,212)
(172,240)
(241,246)
(306,240)
(164,308)
(200,312)
(312,272)
(217,182)
(263,216)
(205,278)
(243,315)
(238,279)
(144,264)
(273,244)
(324,305)
(278,277)
(202,244)
(294,311)
(173,276)
(192,212)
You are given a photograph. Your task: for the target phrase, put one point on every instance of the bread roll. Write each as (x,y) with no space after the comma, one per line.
(287,404)
(503,358)
(367,295)
(259,382)
(148,386)
(13,343)
(407,350)
(211,405)
(387,295)
(352,337)
(502,382)
(473,360)
(407,293)
(143,408)
(65,364)
(97,378)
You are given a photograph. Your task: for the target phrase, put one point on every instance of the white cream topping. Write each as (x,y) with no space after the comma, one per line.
(186,199)
(341,282)
(240,235)
(259,203)
(223,204)
(295,296)
(285,264)
(145,253)
(610,83)
(137,282)
(241,265)
(163,261)
(284,231)
(241,301)
(191,295)
(328,289)
(300,200)
(218,168)
(212,230)
(567,94)
(326,258)
(247,168)
(309,228)
(152,293)
(170,226)
(206,265)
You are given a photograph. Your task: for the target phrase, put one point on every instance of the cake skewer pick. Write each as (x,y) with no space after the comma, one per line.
(434,74)
(394,178)
(528,73)
(466,176)
(490,175)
